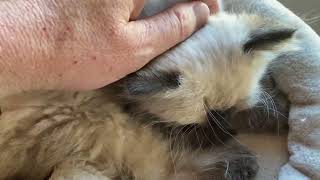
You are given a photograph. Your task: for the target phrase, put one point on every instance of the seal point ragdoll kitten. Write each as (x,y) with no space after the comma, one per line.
(58,135)
(189,86)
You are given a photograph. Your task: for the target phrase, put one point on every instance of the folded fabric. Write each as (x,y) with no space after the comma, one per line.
(297,74)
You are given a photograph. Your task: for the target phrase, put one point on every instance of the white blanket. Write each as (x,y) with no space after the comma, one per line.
(298,75)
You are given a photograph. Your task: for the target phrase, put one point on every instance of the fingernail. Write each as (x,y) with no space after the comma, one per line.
(202,12)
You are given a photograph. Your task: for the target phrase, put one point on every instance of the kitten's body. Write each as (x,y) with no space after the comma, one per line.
(67,135)
(86,135)
(86,129)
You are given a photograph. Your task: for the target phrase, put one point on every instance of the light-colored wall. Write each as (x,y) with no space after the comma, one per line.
(307,8)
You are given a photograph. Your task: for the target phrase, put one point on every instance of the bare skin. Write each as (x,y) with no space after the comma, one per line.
(85,44)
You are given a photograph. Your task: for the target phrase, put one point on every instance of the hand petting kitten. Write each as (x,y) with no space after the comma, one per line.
(85,44)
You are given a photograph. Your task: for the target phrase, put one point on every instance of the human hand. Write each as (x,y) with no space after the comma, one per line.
(87,44)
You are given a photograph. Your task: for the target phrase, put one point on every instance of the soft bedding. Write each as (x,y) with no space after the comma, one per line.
(297,74)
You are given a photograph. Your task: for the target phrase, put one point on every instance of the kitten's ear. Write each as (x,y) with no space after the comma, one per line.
(267,39)
(146,83)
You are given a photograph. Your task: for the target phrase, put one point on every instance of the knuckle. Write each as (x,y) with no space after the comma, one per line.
(115,32)
(181,22)
(121,40)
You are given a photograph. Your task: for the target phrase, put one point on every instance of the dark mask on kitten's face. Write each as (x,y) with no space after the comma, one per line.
(217,69)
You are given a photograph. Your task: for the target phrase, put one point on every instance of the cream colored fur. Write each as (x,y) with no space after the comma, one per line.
(62,135)
(214,70)
(84,135)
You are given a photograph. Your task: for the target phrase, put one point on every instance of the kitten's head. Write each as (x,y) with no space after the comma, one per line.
(215,70)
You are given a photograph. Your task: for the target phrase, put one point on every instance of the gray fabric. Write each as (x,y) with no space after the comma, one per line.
(298,75)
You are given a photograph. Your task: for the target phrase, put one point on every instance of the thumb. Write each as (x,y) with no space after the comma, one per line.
(155,35)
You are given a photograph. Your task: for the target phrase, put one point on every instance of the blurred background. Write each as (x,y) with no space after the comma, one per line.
(309,10)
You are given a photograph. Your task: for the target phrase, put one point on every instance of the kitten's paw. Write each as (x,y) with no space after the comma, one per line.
(243,168)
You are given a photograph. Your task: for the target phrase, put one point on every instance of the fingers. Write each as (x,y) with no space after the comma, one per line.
(213,5)
(138,6)
(154,35)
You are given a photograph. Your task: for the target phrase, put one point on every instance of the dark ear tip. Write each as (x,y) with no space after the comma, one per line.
(284,34)
(289,32)
(263,39)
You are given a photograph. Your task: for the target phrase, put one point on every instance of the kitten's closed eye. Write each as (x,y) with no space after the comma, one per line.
(153,82)
(263,40)
(223,62)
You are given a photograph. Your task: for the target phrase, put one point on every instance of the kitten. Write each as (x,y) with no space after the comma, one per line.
(58,135)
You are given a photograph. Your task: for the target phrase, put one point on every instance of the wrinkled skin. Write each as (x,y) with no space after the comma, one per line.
(85,44)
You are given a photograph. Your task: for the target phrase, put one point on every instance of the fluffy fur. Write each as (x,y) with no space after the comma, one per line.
(58,135)
(215,70)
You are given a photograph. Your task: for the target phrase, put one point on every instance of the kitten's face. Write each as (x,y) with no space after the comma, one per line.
(217,69)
